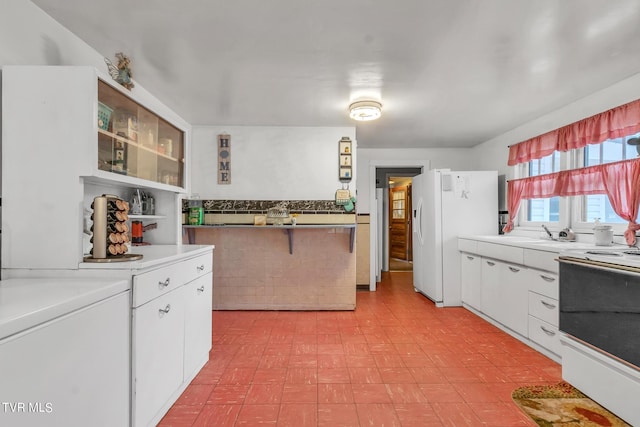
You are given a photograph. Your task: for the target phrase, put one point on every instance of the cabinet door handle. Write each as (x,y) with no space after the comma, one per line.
(201,288)
(513,269)
(491,263)
(470,258)
(166,309)
(549,306)
(200,267)
(546,331)
(165,283)
(547,278)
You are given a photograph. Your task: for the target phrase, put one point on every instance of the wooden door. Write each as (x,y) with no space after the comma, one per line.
(399,215)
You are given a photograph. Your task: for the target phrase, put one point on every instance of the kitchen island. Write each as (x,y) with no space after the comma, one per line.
(288,267)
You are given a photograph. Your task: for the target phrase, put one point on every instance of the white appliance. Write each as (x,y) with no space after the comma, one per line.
(448,204)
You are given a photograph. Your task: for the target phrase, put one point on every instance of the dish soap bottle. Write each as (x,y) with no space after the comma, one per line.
(196,212)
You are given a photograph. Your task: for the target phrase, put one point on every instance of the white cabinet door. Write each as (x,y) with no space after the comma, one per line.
(71,371)
(197,323)
(491,297)
(514,290)
(471,280)
(158,344)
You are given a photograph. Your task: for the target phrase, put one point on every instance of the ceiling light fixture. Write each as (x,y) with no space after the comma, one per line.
(365,110)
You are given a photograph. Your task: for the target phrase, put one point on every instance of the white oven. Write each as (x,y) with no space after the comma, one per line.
(600,327)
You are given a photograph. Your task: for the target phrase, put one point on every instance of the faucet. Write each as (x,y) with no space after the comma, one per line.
(548,232)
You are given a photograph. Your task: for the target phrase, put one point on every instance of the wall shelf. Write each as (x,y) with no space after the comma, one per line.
(289,229)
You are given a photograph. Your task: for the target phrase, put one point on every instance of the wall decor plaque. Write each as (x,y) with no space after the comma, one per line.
(224,159)
(345,162)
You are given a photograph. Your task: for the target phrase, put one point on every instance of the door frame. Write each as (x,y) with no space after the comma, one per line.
(375,247)
(407,220)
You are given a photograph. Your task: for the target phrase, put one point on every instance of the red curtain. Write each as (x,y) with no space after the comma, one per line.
(615,123)
(620,181)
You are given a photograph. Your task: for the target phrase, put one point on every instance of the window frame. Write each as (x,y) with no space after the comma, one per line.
(578,224)
(571,208)
(522,171)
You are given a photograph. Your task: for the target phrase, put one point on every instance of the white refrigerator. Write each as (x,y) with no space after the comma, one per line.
(447,204)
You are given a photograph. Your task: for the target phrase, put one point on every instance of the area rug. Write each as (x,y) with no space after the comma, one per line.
(563,405)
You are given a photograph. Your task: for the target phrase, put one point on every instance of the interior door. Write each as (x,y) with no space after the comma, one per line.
(418,229)
(399,215)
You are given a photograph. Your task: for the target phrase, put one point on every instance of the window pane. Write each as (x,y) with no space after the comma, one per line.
(613,150)
(544,210)
(598,206)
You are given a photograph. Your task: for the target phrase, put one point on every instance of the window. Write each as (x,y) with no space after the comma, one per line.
(397,205)
(543,210)
(598,206)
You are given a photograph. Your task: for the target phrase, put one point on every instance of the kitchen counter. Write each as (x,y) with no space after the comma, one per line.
(257,267)
(25,303)
(152,256)
(548,245)
(288,228)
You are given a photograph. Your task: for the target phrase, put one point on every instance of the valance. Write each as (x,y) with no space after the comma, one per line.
(615,123)
(620,181)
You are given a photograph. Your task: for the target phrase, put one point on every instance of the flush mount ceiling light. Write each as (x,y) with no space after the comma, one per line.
(365,110)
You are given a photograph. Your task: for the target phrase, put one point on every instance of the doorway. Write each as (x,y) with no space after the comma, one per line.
(395,233)
(400,224)
(379,172)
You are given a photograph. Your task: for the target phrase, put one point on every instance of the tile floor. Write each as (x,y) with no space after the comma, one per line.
(394,361)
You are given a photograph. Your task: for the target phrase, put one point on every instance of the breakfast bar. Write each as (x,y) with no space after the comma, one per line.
(256,268)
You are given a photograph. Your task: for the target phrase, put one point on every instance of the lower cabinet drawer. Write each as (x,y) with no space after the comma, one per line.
(544,308)
(544,334)
(152,284)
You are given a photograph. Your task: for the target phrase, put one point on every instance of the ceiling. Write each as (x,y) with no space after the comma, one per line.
(449,73)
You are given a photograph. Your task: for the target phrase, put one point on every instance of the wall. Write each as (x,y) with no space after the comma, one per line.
(493,154)
(36,39)
(439,158)
(270,162)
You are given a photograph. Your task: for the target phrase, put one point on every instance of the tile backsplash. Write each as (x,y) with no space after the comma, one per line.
(261,206)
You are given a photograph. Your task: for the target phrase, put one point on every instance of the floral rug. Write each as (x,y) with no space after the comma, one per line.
(563,405)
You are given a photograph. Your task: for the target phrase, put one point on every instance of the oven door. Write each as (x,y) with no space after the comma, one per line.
(600,305)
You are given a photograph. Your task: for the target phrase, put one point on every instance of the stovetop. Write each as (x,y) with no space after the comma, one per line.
(620,255)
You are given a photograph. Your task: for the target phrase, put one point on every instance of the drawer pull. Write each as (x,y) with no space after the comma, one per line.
(491,263)
(513,269)
(547,278)
(200,267)
(470,258)
(166,309)
(165,283)
(548,332)
(201,288)
(548,305)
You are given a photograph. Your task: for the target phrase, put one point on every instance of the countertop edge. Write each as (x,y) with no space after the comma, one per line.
(68,300)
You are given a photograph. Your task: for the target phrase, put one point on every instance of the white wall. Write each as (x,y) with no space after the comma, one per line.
(439,158)
(270,162)
(31,37)
(493,154)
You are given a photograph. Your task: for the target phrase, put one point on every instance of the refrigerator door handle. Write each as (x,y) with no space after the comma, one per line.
(419,217)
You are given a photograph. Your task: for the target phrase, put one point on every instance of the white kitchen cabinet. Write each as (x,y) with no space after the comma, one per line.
(504,294)
(471,280)
(53,147)
(514,298)
(171,333)
(543,309)
(70,371)
(197,323)
(491,297)
(521,296)
(158,353)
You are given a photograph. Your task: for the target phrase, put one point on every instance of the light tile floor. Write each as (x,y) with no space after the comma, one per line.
(394,361)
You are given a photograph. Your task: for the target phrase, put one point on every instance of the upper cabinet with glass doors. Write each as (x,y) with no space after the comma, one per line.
(133,141)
